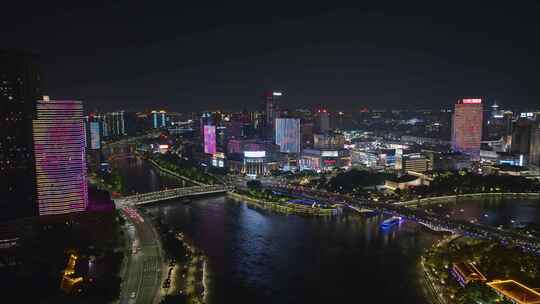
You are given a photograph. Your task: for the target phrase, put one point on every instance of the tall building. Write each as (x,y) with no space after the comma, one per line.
(288,135)
(534,150)
(467,126)
(116,124)
(272,111)
(322,120)
(159,119)
(59,149)
(19,91)
(210,139)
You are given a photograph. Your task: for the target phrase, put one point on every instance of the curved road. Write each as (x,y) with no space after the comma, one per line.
(142,279)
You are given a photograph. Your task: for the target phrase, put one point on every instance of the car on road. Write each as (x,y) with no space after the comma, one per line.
(133,295)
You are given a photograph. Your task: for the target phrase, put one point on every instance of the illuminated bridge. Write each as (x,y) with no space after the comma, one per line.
(163,195)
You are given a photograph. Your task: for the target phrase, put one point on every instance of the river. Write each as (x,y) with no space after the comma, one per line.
(491,210)
(262,257)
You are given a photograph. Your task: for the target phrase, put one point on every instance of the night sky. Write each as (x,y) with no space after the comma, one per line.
(130,56)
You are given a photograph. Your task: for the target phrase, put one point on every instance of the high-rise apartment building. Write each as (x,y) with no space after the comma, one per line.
(59,149)
(19,90)
(288,135)
(467,126)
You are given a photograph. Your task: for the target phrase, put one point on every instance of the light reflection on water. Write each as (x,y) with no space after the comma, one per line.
(260,256)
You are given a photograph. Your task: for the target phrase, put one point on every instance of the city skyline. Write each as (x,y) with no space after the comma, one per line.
(268,153)
(196,58)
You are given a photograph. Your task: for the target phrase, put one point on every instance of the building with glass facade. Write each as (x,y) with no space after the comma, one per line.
(288,135)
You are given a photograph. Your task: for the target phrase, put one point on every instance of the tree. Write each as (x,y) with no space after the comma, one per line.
(174,299)
(254,185)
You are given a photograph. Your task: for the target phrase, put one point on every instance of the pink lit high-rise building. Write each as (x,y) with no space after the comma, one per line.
(467,127)
(59,148)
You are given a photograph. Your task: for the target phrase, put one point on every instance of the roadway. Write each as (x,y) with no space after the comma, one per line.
(142,279)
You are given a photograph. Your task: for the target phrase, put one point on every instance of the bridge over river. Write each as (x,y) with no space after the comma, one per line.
(163,195)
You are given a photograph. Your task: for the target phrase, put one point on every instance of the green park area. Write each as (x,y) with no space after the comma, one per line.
(493,260)
(173,163)
(184,282)
(462,182)
(109,181)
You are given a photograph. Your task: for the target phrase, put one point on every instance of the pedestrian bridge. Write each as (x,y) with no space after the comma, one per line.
(163,195)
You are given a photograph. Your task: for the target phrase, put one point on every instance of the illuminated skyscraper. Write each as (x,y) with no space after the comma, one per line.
(272,111)
(59,149)
(288,135)
(159,119)
(467,127)
(210,139)
(19,91)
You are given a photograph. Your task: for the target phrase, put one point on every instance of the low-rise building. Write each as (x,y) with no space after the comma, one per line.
(515,292)
(465,273)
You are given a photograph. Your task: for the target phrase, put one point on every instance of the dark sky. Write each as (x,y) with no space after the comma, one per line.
(178,57)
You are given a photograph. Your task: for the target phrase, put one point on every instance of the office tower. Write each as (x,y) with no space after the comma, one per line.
(206,119)
(534,149)
(322,120)
(209,139)
(59,150)
(288,135)
(92,134)
(521,136)
(272,105)
(19,91)
(467,127)
(114,124)
(159,119)
(272,111)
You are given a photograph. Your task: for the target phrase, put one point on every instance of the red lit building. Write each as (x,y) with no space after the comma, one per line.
(467,126)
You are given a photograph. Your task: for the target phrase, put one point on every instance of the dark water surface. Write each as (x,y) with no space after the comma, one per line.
(262,257)
(491,210)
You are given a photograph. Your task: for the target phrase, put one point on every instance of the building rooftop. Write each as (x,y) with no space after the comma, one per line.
(516,291)
(469,272)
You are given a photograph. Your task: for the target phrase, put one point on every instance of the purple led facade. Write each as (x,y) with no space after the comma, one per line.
(210,139)
(59,147)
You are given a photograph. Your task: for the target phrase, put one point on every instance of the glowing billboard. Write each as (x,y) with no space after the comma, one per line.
(254,153)
(210,139)
(471,100)
(330,153)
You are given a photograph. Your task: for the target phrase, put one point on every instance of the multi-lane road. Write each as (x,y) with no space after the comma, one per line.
(143,273)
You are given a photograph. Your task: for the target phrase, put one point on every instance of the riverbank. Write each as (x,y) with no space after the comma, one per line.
(286,208)
(438,199)
(493,260)
(186,275)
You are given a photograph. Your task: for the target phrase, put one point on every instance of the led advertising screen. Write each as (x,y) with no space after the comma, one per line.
(95,140)
(210,139)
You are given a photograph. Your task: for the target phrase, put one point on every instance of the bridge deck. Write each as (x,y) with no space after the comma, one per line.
(151,197)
